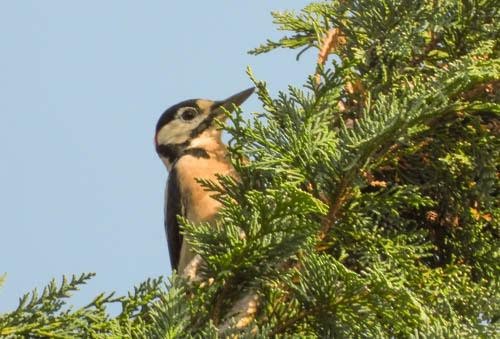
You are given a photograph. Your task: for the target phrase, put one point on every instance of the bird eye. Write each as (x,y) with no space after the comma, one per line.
(189,114)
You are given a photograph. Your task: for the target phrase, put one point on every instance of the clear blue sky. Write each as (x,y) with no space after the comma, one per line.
(81,87)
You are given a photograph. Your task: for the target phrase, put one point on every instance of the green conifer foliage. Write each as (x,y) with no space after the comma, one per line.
(367,201)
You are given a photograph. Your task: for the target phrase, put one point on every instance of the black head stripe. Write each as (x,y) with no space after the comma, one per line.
(172,151)
(175,151)
(204,125)
(196,152)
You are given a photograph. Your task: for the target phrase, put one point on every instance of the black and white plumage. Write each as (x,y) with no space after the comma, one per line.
(190,146)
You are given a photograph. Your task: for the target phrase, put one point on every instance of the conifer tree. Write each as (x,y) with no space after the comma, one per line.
(367,201)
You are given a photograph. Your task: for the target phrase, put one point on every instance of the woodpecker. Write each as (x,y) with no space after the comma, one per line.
(189,144)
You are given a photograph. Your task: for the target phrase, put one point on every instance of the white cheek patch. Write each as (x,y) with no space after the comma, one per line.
(177,131)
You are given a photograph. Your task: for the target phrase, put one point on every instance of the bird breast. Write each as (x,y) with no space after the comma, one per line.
(199,205)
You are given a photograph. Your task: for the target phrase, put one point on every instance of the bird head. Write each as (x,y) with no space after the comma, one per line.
(191,124)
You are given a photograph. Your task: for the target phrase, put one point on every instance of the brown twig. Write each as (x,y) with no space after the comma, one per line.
(217,310)
(485,89)
(334,209)
(332,41)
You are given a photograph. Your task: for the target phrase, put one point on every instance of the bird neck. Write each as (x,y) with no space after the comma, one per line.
(206,145)
(209,140)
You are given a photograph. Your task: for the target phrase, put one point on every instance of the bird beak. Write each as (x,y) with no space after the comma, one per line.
(234,100)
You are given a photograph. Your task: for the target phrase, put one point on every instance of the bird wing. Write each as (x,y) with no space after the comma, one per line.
(173,208)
